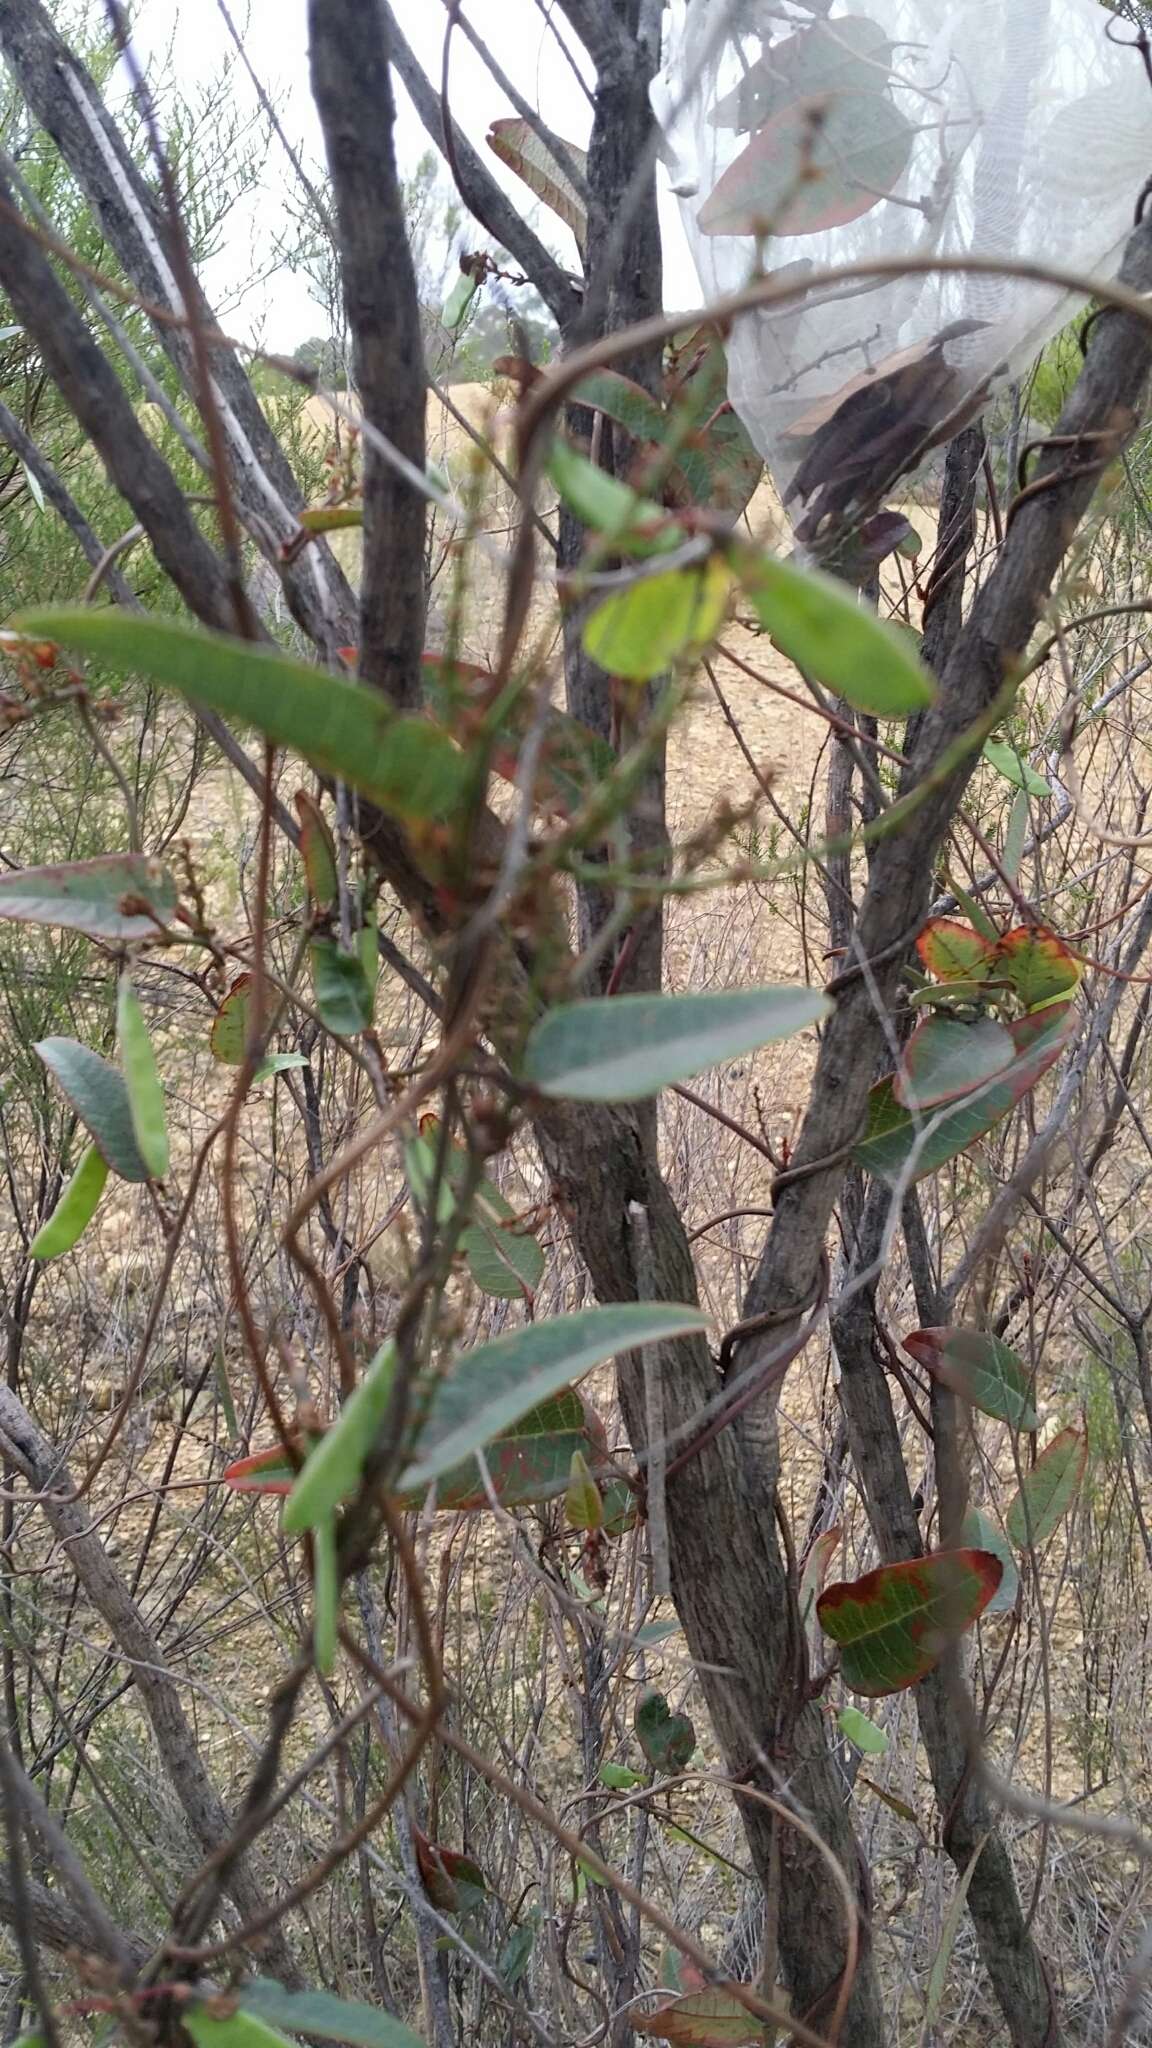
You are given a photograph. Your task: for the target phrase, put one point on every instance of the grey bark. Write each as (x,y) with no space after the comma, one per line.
(57,1925)
(352,87)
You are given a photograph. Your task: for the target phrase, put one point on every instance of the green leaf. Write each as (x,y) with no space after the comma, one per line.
(1012,765)
(955,952)
(332,1469)
(619,1778)
(121,896)
(527,1463)
(278,1063)
(516,1954)
(668,1740)
(653,1632)
(142,1080)
(317,851)
(820,626)
(851,54)
(460,301)
(979,1368)
(583,1507)
(323,2015)
(641,631)
(325,1595)
(947,995)
(613,511)
(622,1048)
(619,399)
(233,2030)
(343,996)
(74,1210)
(815,1570)
(979,1532)
(893,1136)
(1015,836)
(975,912)
(867,1737)
(504,1261)
(1040,967)
(489,1388)
(331,518)
(894,1624)
(947,1057)
(97,1093)
(1048,1491)
(517,144)
(229,1035)
(368,952)
(406,764)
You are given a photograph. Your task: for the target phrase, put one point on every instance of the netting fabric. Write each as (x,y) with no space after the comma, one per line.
(802,134)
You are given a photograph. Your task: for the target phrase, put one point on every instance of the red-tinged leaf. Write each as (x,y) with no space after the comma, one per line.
(947,1057)
(703,2019)
(452,1881)
(624,401)
(979,1368)
(894,1624)
(668,1740)
(518,145)
(1049,1490)
(317,851)
(815,1570)
(530,1463)
(953,951)
(816,164)
(118,896)
(679,1973)
(230,1025)
(893,1136)
(1039,966)
(1042,1035)
(270,1471)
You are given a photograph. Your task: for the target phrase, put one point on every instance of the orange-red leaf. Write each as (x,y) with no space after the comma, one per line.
(450,1879)
(703,2019)
(317,851)
(894,1624)
(1039,965)
(953,951)
(229,1035)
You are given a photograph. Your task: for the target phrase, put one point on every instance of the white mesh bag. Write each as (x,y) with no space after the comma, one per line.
(801,134)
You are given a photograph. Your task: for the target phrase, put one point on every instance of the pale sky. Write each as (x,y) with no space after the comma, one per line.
(201,52)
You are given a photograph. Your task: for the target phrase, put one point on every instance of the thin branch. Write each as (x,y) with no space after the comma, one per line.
(479,189)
